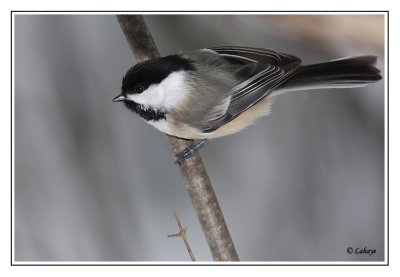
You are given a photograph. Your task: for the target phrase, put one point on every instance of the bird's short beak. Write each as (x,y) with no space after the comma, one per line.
(119,98)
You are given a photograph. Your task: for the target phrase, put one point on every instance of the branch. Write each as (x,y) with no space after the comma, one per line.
(194,174)
(182,234)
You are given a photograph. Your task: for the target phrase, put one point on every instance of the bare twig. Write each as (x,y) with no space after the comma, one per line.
(192,170)
(182,234)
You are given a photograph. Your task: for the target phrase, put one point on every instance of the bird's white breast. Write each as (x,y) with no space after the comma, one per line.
(161,125)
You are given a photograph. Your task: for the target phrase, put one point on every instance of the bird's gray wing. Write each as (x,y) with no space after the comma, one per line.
(262,71)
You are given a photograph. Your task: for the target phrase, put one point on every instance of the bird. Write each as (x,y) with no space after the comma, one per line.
(213,92)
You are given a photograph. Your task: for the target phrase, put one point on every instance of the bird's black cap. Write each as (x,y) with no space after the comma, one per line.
(142,75)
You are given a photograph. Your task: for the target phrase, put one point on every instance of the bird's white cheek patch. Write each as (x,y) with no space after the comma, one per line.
(152,96)
(168,94)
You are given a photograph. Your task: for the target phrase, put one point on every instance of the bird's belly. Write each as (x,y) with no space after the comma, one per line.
(245,119)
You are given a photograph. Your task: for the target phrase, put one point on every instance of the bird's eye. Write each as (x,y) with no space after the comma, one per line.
(139,89)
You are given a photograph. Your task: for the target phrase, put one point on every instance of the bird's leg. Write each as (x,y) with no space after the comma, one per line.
(189,151)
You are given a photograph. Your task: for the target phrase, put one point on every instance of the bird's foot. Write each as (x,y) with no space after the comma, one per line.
(189,151)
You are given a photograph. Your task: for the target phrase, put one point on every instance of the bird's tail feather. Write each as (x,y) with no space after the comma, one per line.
(342,73)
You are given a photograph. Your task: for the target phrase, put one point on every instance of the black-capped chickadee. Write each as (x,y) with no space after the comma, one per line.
(214,92)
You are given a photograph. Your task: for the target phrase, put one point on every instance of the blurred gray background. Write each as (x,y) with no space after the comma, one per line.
(93,182)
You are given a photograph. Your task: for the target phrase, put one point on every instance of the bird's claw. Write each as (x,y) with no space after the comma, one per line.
(189,151)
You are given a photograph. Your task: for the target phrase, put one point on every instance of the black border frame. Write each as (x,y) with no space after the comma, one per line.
(211,263)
